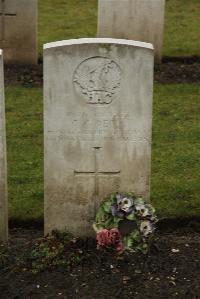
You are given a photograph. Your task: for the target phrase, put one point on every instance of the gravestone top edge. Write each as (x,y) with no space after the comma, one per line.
(111,41)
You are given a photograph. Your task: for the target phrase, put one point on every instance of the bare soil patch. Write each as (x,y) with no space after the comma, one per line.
(170,270)
(172,70)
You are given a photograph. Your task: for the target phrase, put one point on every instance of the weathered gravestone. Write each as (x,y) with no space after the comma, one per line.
(141,20)
(3,175)
(97,116)
(18,31)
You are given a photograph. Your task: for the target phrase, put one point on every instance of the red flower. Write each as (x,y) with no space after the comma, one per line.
(116,240)
(110,238)
(103,238)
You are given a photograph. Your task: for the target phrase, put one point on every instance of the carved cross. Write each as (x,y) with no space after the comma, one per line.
(96,173)
(3,15)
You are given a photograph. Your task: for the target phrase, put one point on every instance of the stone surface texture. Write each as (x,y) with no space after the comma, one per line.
(3,172)
(97,126)
(141,20)
(18,31)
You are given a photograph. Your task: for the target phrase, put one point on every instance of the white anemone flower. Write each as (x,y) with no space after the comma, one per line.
(124,203)
(146,228)
(142,210)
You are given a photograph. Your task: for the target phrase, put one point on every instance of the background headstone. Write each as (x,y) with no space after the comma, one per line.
(18,31)
(141,20)
(3,172)
(97,126)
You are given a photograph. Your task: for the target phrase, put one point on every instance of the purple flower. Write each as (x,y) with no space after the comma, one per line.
(116,212)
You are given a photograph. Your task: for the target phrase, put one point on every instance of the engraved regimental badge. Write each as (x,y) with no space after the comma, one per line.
(97,79)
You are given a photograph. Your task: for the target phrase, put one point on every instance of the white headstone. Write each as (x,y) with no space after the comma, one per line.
(3,174)
(97,126)
(18,31)
(141,20)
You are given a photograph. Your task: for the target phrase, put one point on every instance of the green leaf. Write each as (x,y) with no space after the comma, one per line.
(129,242)
(131,217)
(107,206)
(116,220)
(109,223)
(113,197)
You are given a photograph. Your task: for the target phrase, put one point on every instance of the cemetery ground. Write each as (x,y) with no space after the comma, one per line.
(172,267)
(170,270)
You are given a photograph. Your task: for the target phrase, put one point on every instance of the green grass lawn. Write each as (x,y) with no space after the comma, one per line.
(25,152)
(175,184)
(65,19)
(176,150)
(175,187)
(182,34)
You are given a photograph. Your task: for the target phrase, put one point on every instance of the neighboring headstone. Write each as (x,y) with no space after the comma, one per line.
(3,174)
(97,126)
(141,20)
(18,31)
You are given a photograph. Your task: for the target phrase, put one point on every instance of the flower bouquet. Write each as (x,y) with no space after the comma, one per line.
(124,222)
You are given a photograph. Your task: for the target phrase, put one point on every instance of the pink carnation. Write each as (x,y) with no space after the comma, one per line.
(108,238)
(116,240)
(103,238)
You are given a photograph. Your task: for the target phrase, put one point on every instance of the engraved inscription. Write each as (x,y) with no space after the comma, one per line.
(97,79)
(104,127)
